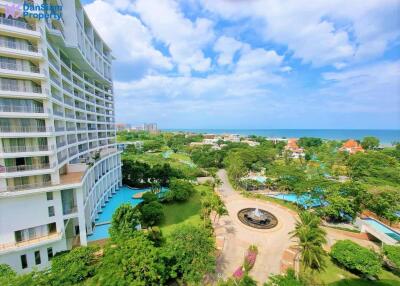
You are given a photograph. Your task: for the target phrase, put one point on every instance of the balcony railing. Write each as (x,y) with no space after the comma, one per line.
(25,129)
(17,108)
(70,115)
(73,152)
(21,149)
(61,143)
(22,68)
(71,128)
(16,23)
(62,158)
(17,88)
(28,186)
(59,113)
(60,128)
(71,140)
(22,168)
(18,46)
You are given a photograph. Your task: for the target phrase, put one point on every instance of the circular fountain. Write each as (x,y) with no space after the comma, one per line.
(257,218)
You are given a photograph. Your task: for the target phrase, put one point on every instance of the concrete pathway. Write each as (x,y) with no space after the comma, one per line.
(237,237)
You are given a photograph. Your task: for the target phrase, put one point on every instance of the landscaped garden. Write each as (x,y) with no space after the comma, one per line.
(168,237)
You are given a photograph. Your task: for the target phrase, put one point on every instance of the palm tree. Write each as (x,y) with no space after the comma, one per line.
(311,239)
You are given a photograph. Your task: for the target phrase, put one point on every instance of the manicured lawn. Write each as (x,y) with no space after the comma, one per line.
(180,213)
(336,276)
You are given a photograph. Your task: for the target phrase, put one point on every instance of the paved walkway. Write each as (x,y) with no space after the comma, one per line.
(237,237)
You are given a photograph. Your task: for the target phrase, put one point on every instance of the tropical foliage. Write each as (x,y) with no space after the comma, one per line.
(311,239)
(356,258)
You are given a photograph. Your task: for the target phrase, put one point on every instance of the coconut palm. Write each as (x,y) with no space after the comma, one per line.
(311,239)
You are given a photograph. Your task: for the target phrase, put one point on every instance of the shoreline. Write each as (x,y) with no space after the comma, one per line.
(386,136)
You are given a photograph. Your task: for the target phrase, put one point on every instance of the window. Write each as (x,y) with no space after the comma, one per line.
(51,211)
(49,196)
(24,262)
(37,257)
(49,253)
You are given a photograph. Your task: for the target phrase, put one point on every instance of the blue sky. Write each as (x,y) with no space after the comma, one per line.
(254,63)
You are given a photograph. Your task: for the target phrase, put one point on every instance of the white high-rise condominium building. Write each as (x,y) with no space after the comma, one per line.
(58,158)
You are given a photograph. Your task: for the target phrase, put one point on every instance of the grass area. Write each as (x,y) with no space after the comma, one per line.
(180,213)
(336,276)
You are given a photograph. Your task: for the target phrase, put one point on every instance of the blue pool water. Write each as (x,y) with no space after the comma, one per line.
(260,179)
(304,200)
(123,195)
(383,228)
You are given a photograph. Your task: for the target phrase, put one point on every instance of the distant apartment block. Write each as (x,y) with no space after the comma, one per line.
(58,158)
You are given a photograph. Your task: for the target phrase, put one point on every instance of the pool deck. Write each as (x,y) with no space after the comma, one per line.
(272,243)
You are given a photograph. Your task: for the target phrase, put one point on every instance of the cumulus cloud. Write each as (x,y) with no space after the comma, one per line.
(129,39)
(320,32)
(183,37)
(227,47)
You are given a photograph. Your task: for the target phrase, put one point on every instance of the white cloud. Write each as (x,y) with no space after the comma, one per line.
(259,59)
(227,48)
(126,35)
(320,32)
(184,38)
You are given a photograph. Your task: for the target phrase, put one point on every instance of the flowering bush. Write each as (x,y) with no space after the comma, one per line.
(250,258)
(239,273)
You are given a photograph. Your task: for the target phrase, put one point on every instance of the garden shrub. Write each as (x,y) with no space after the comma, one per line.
(392,253)
(356,258)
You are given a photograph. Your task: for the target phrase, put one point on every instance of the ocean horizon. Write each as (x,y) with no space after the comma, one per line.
(386,136)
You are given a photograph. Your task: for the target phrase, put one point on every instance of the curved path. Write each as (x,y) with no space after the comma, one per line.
(237,237)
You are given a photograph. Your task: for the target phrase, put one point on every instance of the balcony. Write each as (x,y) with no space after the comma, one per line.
(62,158)
(59,113)
(15,246)
(17,88)
(27,187)
(24,129)
(71,128)
(72,140)
(21,68)
(61,144)
(60,128)
(16,108)
(69,115)
(18,46)
(22,149)
(24,168)
(16,23)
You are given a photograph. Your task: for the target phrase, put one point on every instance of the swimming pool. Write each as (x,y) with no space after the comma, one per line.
(382,228)
(304,200)
(102,222)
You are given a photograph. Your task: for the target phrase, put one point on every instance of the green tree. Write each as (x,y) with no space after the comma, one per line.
(392,253)
(73,267)
(287,279)
(193,252)
(124,222)
(356,258)
(179,190)
(149,197)
(151,213)
(370,143)
(133,262)
(307,142)
(311,239)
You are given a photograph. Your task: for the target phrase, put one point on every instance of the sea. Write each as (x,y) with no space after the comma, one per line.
(386,136)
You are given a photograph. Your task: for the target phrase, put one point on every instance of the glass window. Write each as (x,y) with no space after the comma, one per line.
(24,262)
(49,196)
(37,257)
(51,211)
(49,253)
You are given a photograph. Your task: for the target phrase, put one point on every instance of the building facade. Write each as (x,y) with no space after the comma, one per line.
(58,158)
